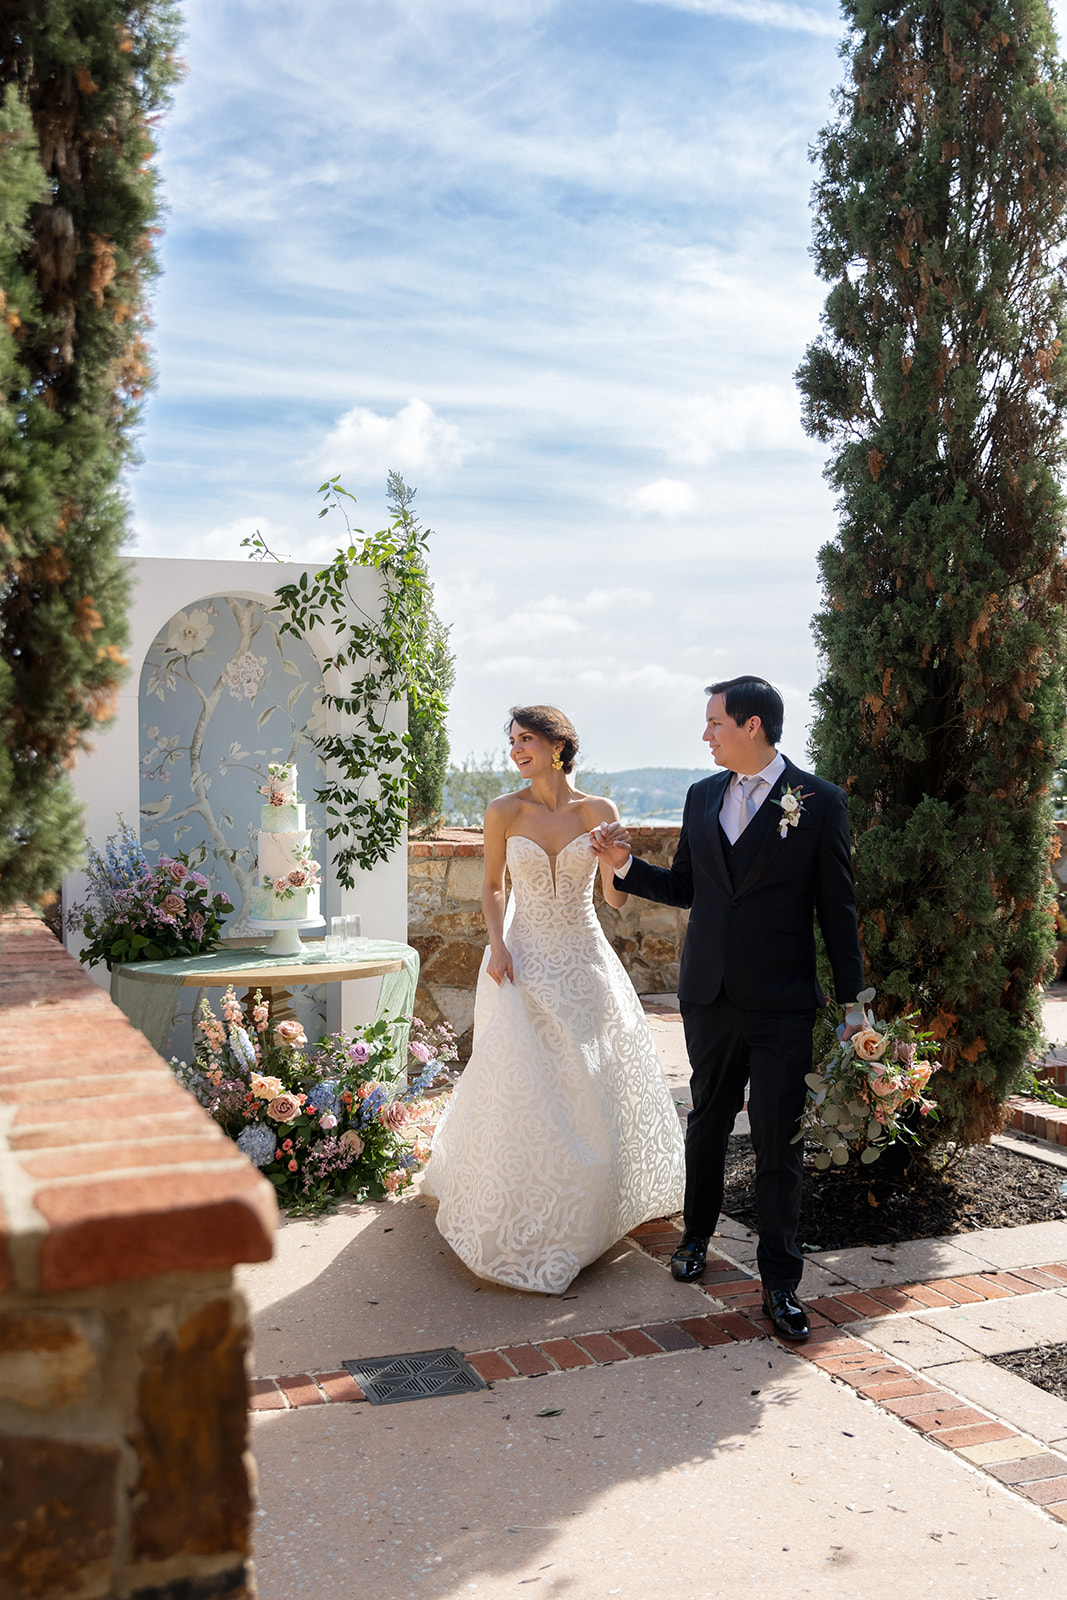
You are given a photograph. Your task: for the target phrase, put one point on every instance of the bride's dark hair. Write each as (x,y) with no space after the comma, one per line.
(551,724)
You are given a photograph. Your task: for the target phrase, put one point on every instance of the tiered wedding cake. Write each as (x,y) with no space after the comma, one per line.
(288,887)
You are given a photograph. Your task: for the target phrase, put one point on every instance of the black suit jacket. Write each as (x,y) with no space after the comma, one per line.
(755,937)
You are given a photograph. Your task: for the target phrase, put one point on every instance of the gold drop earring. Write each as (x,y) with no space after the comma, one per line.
(557,763)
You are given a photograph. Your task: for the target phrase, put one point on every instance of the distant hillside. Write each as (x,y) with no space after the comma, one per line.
(652,794)
(642,794)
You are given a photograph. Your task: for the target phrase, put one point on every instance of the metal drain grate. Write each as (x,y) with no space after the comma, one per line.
(418,1375)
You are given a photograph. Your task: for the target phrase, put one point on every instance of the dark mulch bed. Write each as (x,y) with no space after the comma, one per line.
(988,1187)
(1046,1367)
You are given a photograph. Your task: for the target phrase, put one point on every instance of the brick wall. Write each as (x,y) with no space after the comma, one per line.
(123,1208)
(446,926)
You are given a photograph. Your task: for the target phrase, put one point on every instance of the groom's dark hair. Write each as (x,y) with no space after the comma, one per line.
(752,697)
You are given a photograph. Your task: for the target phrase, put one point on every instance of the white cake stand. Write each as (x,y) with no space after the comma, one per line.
(286,941)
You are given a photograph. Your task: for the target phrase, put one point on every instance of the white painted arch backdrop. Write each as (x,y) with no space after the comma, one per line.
(215,693)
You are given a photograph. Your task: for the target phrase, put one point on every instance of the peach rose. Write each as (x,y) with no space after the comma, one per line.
(265,1088)
(284,1108)
(291,1032)
(869,1044)
(176,872)
(393,1116)
(352,1141)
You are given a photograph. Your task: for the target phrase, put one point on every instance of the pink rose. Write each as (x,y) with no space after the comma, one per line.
(173,905)
(869,1044)
(297,878)
(352,1141)
(327,1120)
(177,872)
(291,1032)
(393,1116)
(284,1108)
(422,1053)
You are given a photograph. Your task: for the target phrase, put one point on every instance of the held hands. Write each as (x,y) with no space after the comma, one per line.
(499,966)
(610,843)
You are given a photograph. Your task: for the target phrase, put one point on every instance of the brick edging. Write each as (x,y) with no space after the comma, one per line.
(1040,1118)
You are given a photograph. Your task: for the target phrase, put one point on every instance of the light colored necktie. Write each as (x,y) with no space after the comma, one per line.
(747,809)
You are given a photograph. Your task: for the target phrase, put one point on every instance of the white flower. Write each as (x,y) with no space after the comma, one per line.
(189,632)
(789,803)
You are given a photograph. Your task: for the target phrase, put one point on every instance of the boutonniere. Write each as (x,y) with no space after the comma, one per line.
(792,804)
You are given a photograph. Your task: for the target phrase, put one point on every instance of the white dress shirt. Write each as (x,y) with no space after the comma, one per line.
(730,815)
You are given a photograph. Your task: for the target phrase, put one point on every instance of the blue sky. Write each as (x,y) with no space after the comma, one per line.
(549,259)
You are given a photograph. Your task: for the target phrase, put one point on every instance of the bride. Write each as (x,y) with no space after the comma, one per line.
(561,1135)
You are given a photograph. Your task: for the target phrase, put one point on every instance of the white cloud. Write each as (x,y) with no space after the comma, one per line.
(667,497)
(366,446)
(761,417)
(761,13)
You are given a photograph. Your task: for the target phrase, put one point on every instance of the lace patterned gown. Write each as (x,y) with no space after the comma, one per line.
(561,1134)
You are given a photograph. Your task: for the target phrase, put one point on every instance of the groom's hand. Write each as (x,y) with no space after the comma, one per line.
(611,843)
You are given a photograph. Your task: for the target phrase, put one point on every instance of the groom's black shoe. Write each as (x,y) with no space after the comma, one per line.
(787,1316)
(690,1258)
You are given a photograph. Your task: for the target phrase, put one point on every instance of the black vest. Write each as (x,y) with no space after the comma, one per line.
(740,856)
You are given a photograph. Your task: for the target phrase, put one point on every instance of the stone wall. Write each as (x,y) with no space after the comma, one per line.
(446,926)
(123,1208)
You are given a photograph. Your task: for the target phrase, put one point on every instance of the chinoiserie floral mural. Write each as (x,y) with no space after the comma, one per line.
(222,695)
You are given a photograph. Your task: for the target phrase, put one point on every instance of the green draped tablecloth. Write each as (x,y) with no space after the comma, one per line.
(147,991)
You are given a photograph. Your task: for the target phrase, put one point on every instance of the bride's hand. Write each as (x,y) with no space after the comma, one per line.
(611,844)
(499,966)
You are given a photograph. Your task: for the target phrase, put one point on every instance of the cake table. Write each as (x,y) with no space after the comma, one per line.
(147,991)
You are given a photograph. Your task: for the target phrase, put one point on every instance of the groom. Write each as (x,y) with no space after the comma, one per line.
(764,849)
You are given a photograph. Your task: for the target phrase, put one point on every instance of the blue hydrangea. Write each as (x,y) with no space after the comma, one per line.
(327,1097)
(258,1143)
(243,1048)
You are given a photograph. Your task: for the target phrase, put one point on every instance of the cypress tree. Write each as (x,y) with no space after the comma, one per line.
(81,81)
(939,380)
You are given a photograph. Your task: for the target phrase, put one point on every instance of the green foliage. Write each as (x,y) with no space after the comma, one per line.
(470,787)
(435,677)
(366,804)
(81,82)
(940,381)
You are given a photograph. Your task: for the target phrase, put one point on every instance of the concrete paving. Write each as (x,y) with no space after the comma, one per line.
(741,1469)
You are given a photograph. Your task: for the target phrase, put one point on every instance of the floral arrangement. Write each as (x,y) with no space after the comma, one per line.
(307,874)
(322,1121)
(863,1089)
(137,912)
(276,789)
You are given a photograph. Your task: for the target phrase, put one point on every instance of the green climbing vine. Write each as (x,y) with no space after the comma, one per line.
(370,765)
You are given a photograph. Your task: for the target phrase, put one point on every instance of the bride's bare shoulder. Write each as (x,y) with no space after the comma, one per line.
(505,806)
(597,808)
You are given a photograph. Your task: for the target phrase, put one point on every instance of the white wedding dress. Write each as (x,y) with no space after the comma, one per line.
(561,1134)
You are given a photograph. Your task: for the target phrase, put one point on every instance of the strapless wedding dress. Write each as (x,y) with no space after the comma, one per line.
(561,1134)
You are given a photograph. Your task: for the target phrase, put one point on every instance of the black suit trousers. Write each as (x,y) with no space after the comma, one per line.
(771,1050)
